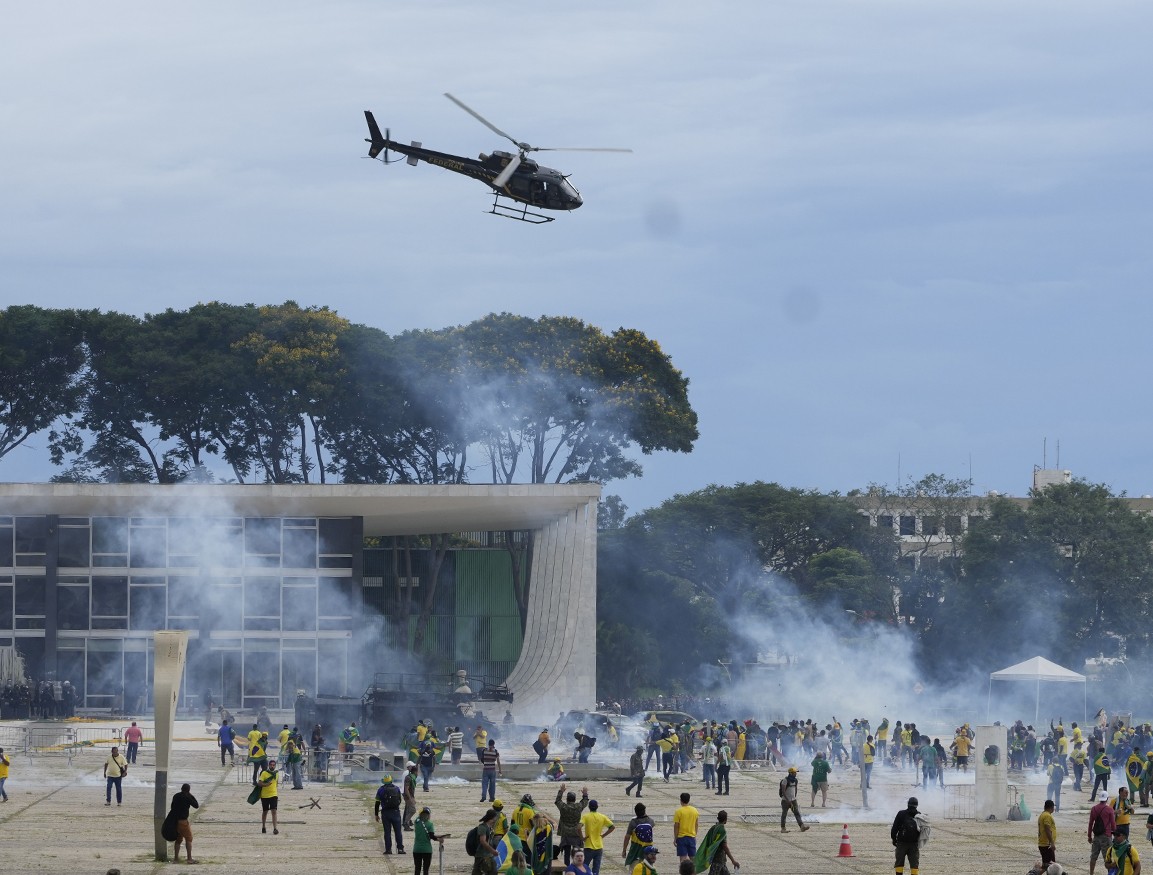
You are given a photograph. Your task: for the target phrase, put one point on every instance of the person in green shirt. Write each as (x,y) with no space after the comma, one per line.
(424,834)
(820,779)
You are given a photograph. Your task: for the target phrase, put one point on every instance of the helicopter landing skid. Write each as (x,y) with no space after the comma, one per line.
(516,210)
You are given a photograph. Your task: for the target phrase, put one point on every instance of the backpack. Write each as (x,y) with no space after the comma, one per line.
(909,833)
(644,833)
(472,841)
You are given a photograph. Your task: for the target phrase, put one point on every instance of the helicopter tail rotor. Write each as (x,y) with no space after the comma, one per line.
(377,143)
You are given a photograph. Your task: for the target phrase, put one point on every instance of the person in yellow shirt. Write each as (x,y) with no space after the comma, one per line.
(962,744)
(868,753)
(685,821)
(1047,834)
(593,825)
(1122,809)
(648,863)
(268,797)
(4,764)
(480,741)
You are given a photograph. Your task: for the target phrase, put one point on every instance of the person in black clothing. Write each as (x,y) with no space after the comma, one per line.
(387,812)
(906,835)
(182,805)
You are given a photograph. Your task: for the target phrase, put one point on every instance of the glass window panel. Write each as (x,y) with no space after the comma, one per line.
(332,659)
(223,607)
(299,667)
(110,596)
(299,548)
(185,595)
(30,596)
(6,612)
(110,561)
(146,608)
(74,548)
(251,561)
(109,622)
(148,548)
(336,535)
(262,536)
(7,549)
(105,672)
(109,534)
(261,668)
(334,597)
(262,596)
(299,608)
(31,534)
(72,607)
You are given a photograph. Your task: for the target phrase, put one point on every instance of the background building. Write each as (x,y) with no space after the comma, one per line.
(271,583)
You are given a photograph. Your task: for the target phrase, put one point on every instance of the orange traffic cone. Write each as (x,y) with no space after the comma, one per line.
(846,848)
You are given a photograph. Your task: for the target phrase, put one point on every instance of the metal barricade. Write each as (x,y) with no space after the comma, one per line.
(960,801)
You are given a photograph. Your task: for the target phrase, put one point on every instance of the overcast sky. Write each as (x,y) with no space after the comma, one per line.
(877,235)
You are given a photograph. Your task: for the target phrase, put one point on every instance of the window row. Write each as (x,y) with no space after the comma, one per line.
(150,542)
(251,604)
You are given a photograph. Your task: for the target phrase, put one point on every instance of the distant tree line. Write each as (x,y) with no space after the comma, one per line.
(289,394)
(1068,574)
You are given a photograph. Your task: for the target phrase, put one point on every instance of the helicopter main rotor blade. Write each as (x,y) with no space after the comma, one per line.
(507,173)
(575,149)
(480,118)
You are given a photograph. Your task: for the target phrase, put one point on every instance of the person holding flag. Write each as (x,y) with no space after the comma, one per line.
(1133,768)
(710,856)
(638,836)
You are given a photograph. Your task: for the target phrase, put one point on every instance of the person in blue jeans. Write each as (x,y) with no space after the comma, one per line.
(490,769)
(115,768)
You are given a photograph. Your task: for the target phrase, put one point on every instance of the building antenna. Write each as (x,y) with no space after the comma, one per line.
(1044,453)
(1058,452)
(898,472)
(970,475)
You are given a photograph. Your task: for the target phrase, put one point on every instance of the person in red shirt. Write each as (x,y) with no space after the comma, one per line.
(133,736)
(1101,824)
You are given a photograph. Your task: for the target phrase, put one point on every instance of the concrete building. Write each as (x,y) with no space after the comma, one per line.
(270,582)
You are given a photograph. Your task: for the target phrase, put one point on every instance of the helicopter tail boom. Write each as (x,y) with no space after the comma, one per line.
(378,143)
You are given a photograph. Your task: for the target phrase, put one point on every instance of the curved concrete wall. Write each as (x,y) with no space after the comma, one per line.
(557,666)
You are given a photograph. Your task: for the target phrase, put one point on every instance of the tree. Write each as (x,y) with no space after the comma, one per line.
(41,363)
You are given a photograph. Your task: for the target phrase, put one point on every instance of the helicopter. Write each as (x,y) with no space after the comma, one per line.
(514,179)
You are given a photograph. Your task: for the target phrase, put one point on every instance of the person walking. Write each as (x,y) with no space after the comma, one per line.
(1056,777)
(180,809)
(820,780)
(1101,825)
(685,822)
(133,736)
(226,737)
(386,811)
(906,836)
(638,836)
(490,770)
(115,768)
(258,755)
(724,766)
(708,764)
(1101,770)
(5,764)
(541,745)
(593,824)
(455,741)
(294,761)
(408,793)
(424,835)
(484,860)
(636,771)
(788,794)
(268,796)
(710,856)
(1047,834)
(427,762)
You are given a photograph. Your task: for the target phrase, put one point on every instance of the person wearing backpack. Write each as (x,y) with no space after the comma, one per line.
(906,836)
(788,794)
(481,846)
(1102,820)
(387,812)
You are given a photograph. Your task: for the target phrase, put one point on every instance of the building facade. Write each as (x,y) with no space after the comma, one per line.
(270,583)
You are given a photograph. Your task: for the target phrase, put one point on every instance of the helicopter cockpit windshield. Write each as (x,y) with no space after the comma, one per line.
(569,192)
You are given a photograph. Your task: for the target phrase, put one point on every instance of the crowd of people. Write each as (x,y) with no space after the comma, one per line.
(46,700)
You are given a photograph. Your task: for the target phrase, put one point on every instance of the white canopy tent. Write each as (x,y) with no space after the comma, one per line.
(1035,671)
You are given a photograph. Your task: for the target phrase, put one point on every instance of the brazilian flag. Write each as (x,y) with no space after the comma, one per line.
(542,846)
(708,849)
(1133,769)
(438,748)
(509,844)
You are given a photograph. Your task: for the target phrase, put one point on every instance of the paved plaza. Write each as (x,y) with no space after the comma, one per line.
(56,821)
